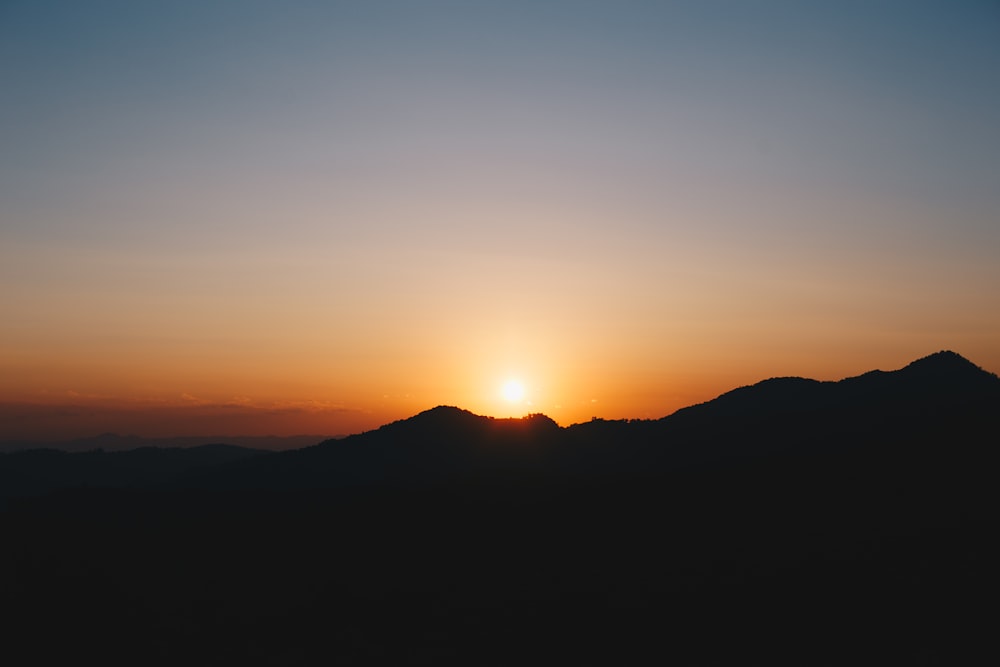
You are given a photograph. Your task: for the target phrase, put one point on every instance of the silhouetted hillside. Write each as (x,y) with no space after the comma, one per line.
(944,377)
(932,399)
(793,522)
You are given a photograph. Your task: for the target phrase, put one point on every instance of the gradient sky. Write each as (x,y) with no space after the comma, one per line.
(315,217)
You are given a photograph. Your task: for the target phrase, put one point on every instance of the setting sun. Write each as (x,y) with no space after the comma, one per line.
(513,391)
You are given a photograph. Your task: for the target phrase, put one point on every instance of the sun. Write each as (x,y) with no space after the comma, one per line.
(512,391)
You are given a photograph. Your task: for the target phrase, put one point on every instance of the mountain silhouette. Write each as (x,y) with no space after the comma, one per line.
(941,377)
(945,366)
(941,396)
(918,404)
(789,522)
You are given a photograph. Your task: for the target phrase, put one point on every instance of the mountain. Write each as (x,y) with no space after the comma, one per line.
(944,377)
(936,399)
(790,522)
(879,414)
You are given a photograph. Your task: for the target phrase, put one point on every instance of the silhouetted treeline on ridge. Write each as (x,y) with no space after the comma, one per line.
(789,522)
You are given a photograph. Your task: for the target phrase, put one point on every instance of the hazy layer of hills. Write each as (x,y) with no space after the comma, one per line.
(788,522)
(113,442)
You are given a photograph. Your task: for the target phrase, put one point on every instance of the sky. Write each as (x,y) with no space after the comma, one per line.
(292,217)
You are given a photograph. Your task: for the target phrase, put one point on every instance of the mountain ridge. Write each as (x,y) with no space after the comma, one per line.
(872,413)
(931,399)
(855,526)
(944,364)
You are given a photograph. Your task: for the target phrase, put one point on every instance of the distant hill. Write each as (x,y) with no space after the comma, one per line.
(113,442)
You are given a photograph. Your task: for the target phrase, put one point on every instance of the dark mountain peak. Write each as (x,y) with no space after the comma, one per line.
(539,420)
(944,374)
(944,364)
(529,427)
(444,412)
(449,414)
(442,415)
(441,421)
(447,419)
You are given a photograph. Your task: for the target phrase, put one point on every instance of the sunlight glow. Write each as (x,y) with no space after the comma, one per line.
(513,391)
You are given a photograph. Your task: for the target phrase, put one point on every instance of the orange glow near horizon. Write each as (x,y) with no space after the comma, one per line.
(157,397)
(106,342)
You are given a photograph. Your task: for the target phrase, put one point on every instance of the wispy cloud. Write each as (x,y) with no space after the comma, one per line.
(188,415)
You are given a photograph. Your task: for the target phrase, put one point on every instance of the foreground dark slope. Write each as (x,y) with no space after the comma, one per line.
(792,522)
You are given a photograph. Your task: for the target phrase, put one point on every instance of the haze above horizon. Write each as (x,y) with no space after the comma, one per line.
(264,218)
